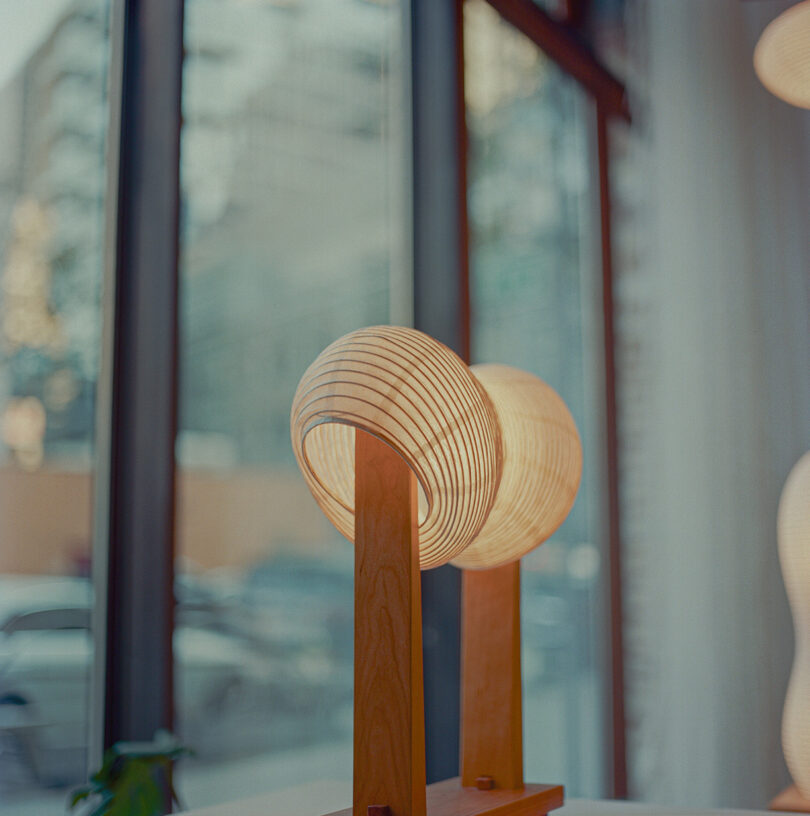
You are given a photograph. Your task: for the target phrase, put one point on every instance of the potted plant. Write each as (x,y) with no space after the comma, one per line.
(134,779)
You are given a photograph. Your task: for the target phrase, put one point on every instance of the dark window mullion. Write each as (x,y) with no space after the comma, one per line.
(441,308)
(137,397)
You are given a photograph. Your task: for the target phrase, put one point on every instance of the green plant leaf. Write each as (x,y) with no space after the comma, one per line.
(79,795)
(134,778)
(137,793)
(102,809)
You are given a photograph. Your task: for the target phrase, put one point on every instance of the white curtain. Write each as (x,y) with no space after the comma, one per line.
(714,387)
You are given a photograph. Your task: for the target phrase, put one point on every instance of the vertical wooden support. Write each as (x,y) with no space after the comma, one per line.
(389,718)
(491,710)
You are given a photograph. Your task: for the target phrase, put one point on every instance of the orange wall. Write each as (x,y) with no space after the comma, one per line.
(240,518)
(233,520)
(44,520)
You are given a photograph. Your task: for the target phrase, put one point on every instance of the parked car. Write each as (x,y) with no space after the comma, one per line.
(45,660)
(262,663)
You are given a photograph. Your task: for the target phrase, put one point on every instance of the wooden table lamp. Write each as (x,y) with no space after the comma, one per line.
(421,460)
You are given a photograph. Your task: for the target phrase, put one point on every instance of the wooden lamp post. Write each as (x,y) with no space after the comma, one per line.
(421,460)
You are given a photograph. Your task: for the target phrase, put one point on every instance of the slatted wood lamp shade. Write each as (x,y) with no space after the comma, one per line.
(782,56)
(421,460)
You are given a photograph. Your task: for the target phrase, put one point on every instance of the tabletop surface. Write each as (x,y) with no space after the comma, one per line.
(317,798)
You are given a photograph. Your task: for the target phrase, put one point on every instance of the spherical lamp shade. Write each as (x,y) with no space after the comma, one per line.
(794,556)
(542,465)
(782,56)
(415,394)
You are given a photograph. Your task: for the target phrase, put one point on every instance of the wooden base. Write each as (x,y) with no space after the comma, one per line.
(448,798)
(790,801)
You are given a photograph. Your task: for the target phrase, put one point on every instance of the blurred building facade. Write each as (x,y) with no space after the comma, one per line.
(52,184)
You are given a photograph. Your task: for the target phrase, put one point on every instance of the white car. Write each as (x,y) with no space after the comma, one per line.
(45,664)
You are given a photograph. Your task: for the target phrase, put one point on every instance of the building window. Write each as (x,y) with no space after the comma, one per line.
(293,233)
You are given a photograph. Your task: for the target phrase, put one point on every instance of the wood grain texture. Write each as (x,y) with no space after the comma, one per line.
(790,800)
(389,719)
(491,710)
(450,798)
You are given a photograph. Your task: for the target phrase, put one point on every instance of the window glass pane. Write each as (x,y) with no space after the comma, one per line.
(557,8)
(535,305)
(292,235)
(53,118)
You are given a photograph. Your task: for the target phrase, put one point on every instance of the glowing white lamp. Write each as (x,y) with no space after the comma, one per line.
(794,555)
(782,55)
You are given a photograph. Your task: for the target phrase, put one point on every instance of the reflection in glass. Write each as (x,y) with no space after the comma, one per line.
(533,300)
(53,64)
(292,235)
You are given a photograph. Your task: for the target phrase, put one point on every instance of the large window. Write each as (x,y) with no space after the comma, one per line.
(53,119)
(293,233)
(299,151)
(535,304)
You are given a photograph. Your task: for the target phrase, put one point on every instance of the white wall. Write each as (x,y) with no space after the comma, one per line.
(714,334)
